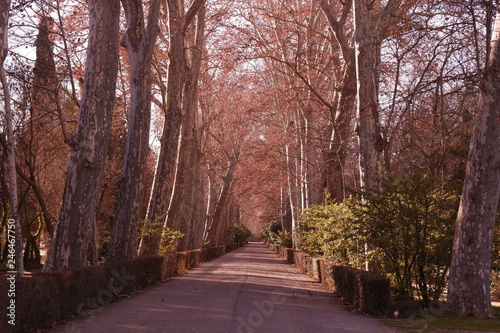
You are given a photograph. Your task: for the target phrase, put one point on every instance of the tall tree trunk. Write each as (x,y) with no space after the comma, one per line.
(222,203)
(337,149)
(78,211)
(469,282)
(291,193)
(140,42)
(367,45)
(371,23)
(4,49)
(185,214)
(342,107)
(174,114)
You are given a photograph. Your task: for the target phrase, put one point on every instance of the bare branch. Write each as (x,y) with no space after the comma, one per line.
(337,30)
(193,10)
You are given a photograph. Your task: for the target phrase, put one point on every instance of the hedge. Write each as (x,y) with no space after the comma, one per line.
(364,291)
(44,299)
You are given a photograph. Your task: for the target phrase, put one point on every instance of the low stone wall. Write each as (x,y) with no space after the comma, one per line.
(43,299)
(364,291)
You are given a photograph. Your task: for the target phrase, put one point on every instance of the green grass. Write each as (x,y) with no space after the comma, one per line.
(444,323)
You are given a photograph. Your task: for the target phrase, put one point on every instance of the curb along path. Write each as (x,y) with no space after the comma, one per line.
(247,290)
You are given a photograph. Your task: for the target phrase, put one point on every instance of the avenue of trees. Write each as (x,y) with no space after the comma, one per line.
(130,127)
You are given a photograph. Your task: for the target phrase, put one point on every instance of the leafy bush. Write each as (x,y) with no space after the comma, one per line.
(270,231)
(240,233)
(329,231)
(410,225)
(273,233)
(284,238)
(169,238)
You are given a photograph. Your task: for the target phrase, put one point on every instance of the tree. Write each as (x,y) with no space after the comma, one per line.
(140,42)
(336,152)
(4,23)
(371,25)
(42,145)
(78,210)
(469,282)
(217,216)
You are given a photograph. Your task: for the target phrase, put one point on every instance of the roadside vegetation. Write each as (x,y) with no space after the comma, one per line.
(405,230)
(240,233)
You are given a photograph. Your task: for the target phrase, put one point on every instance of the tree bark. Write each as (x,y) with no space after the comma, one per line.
(140,42)
(84,175)
(469,281)
(341,111)
(14,202)
(371,23)
(222,203)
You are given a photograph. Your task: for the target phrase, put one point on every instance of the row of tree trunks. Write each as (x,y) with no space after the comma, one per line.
(177,197)
(78,211)
(139,42)
(179,124)
(217,218)
(167,160)
(186,212)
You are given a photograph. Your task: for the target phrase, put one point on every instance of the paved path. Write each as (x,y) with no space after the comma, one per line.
(247,290)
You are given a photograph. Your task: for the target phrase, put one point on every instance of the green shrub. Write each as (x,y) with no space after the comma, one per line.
(410,225)
(270,231)
(240,233)
(273,233)
(169,238)
(329,231)
(284,238)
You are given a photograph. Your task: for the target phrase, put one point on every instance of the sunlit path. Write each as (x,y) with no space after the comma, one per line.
(247,290)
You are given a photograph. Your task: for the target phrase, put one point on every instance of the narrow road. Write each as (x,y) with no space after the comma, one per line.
(247,290)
